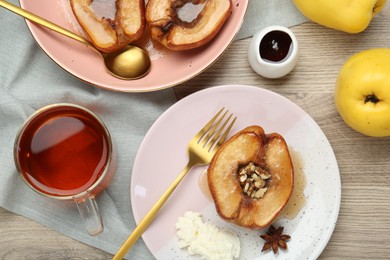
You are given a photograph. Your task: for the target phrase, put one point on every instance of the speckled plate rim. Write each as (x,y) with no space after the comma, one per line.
(170,70)
(164,146)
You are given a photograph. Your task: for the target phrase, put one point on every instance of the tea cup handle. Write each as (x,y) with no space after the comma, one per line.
(90,214)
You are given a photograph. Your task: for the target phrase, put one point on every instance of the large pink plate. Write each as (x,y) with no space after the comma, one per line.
(169,69)
(162,156)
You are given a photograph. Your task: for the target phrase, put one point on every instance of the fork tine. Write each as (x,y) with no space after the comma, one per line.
(207,127)
(211,141)
(203,142)
(218,139)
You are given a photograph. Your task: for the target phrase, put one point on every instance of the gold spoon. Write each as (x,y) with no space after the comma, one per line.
(131,62)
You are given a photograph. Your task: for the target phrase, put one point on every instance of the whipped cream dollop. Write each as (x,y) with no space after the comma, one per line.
(205,239)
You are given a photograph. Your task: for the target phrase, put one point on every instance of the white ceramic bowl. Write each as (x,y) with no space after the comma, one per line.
(272,69)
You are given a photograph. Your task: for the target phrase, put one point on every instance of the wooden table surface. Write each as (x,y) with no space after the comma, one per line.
(363,227)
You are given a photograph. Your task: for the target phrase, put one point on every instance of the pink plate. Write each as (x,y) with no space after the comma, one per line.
(162,156)
(168,68)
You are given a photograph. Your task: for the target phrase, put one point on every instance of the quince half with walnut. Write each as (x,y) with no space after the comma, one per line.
(167,28)
(251,177)
(110,35)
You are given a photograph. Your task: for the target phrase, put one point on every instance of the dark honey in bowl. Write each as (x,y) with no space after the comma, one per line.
(275,46)
(63,151)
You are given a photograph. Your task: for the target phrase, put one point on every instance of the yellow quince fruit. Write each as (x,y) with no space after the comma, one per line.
(362,94)
(351,16)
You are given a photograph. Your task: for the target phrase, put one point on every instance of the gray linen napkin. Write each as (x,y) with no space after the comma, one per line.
(263,13)
(30,80)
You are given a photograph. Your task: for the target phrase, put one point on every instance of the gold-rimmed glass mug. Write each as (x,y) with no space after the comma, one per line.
(64,151)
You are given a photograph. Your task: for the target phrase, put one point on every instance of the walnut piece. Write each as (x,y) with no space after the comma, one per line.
(253,180)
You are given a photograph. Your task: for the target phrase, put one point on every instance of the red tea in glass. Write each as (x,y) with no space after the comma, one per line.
(64,151)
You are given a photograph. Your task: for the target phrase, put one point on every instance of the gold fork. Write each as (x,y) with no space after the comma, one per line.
(200,149)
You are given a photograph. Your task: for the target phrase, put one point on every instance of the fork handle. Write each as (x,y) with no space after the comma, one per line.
(145,222)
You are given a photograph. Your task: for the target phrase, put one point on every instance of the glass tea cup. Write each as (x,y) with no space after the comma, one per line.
(64,151)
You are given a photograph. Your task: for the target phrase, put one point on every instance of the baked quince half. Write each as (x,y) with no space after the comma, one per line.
(110,35)
(167,28)
(251,177)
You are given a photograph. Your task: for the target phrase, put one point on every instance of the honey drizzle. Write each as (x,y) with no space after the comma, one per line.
(204,185)
(298,199)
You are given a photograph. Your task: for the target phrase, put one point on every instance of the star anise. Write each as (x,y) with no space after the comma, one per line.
(275,239)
